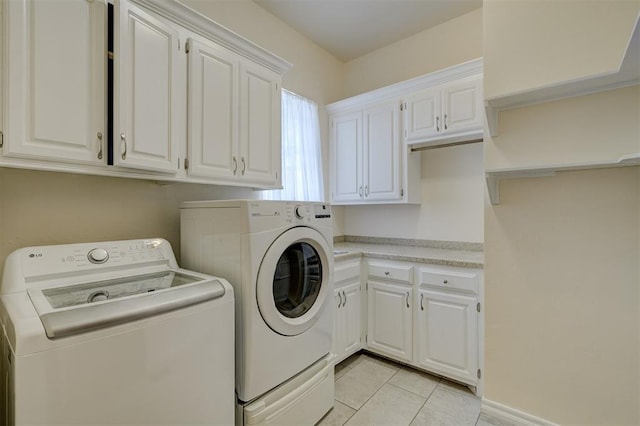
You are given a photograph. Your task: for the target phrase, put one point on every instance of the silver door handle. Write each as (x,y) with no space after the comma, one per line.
(437,123)
(421,306)
(339,300)
(445,121)
(360,192)
(366,191)
(244,165)
(407,297)
(124,140)
(345,299)
(235,165)
(100,145)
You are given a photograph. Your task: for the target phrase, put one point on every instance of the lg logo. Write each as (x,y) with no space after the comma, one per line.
(32,255)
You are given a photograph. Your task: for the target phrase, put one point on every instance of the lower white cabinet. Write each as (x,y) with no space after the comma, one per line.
(347,324)
(347,295)
(427,316)
(447,334)
(389,328)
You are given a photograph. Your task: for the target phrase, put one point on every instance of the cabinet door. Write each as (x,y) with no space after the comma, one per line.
(56,91)
(382,175)
(346,158)
(347,320)
(351,321)
(389,324)
(423,119)
(462,106)
(213,111)
(148,88)
(448,334)
(260,133)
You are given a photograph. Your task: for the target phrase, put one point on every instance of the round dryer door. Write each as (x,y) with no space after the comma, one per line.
(293,281)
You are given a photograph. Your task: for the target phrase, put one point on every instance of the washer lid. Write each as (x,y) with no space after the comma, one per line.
(78,308)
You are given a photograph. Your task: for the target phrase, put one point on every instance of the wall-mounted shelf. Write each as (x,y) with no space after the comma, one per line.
(494,176)
(628,73)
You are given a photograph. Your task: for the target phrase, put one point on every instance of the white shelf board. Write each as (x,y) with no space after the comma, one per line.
(493,176)
(628,74)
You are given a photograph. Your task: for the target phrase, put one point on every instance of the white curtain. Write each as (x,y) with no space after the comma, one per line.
(301,154)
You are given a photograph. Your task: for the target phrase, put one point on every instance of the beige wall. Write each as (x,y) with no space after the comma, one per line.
(561,294)
(51,208)
(533,43)
(456,41)
(452,180)
(562,282)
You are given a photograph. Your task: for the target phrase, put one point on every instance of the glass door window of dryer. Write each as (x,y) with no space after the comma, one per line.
(297,280)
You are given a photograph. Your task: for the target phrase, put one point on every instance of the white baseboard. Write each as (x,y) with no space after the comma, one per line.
(506,413)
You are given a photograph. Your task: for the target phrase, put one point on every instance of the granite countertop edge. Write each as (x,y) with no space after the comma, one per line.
(443,257)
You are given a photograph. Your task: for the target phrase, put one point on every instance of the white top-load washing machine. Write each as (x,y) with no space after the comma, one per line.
(114,333)
(278,257)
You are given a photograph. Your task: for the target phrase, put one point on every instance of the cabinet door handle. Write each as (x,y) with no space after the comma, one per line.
(345,299)
(421,306)
(407,299)
(235,165)
(339,300)
(445,121)
(124,140)
(360,192)
(244,165)
(437,123)
(366,191)
(100,145)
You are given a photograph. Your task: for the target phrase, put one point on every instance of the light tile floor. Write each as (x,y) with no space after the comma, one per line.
(372,390)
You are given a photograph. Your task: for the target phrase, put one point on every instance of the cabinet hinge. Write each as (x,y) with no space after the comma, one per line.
(186,163)
(187,48)
(178,44)
(478,307)
(366,338)
(1,139)
(367,286)
(479,374)
(401,107)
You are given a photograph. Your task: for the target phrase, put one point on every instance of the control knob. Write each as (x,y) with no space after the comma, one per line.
(299,211)
(98,255)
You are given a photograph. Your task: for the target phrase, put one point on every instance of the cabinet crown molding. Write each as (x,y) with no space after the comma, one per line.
(206,27)
(400,89)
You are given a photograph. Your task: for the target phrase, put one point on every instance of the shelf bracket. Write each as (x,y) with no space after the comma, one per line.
(492,119)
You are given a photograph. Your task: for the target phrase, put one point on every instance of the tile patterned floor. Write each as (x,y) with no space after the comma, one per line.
(375,391)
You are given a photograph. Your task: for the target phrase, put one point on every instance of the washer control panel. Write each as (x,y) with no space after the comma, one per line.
(307,212)
(85,256)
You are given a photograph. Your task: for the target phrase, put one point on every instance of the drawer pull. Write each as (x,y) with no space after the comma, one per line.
(386,273)
(446,281)
(407,299)
(421,306)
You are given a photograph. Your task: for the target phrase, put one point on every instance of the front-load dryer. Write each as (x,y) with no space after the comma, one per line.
(278,257)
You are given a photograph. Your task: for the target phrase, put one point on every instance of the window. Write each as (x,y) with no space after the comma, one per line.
(301,154)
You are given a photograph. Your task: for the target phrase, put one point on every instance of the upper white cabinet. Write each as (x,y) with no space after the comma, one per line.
(216,109)
(234,117)
(55,66)
(366,155)
(213,111)
(369,162)
(148,90)
(260,140)
(373,135)
(450,112)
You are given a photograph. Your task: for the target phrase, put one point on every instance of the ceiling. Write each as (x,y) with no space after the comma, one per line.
(351,28)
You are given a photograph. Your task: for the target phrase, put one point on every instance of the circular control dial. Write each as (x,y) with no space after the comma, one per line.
(299,211)
(98,255)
